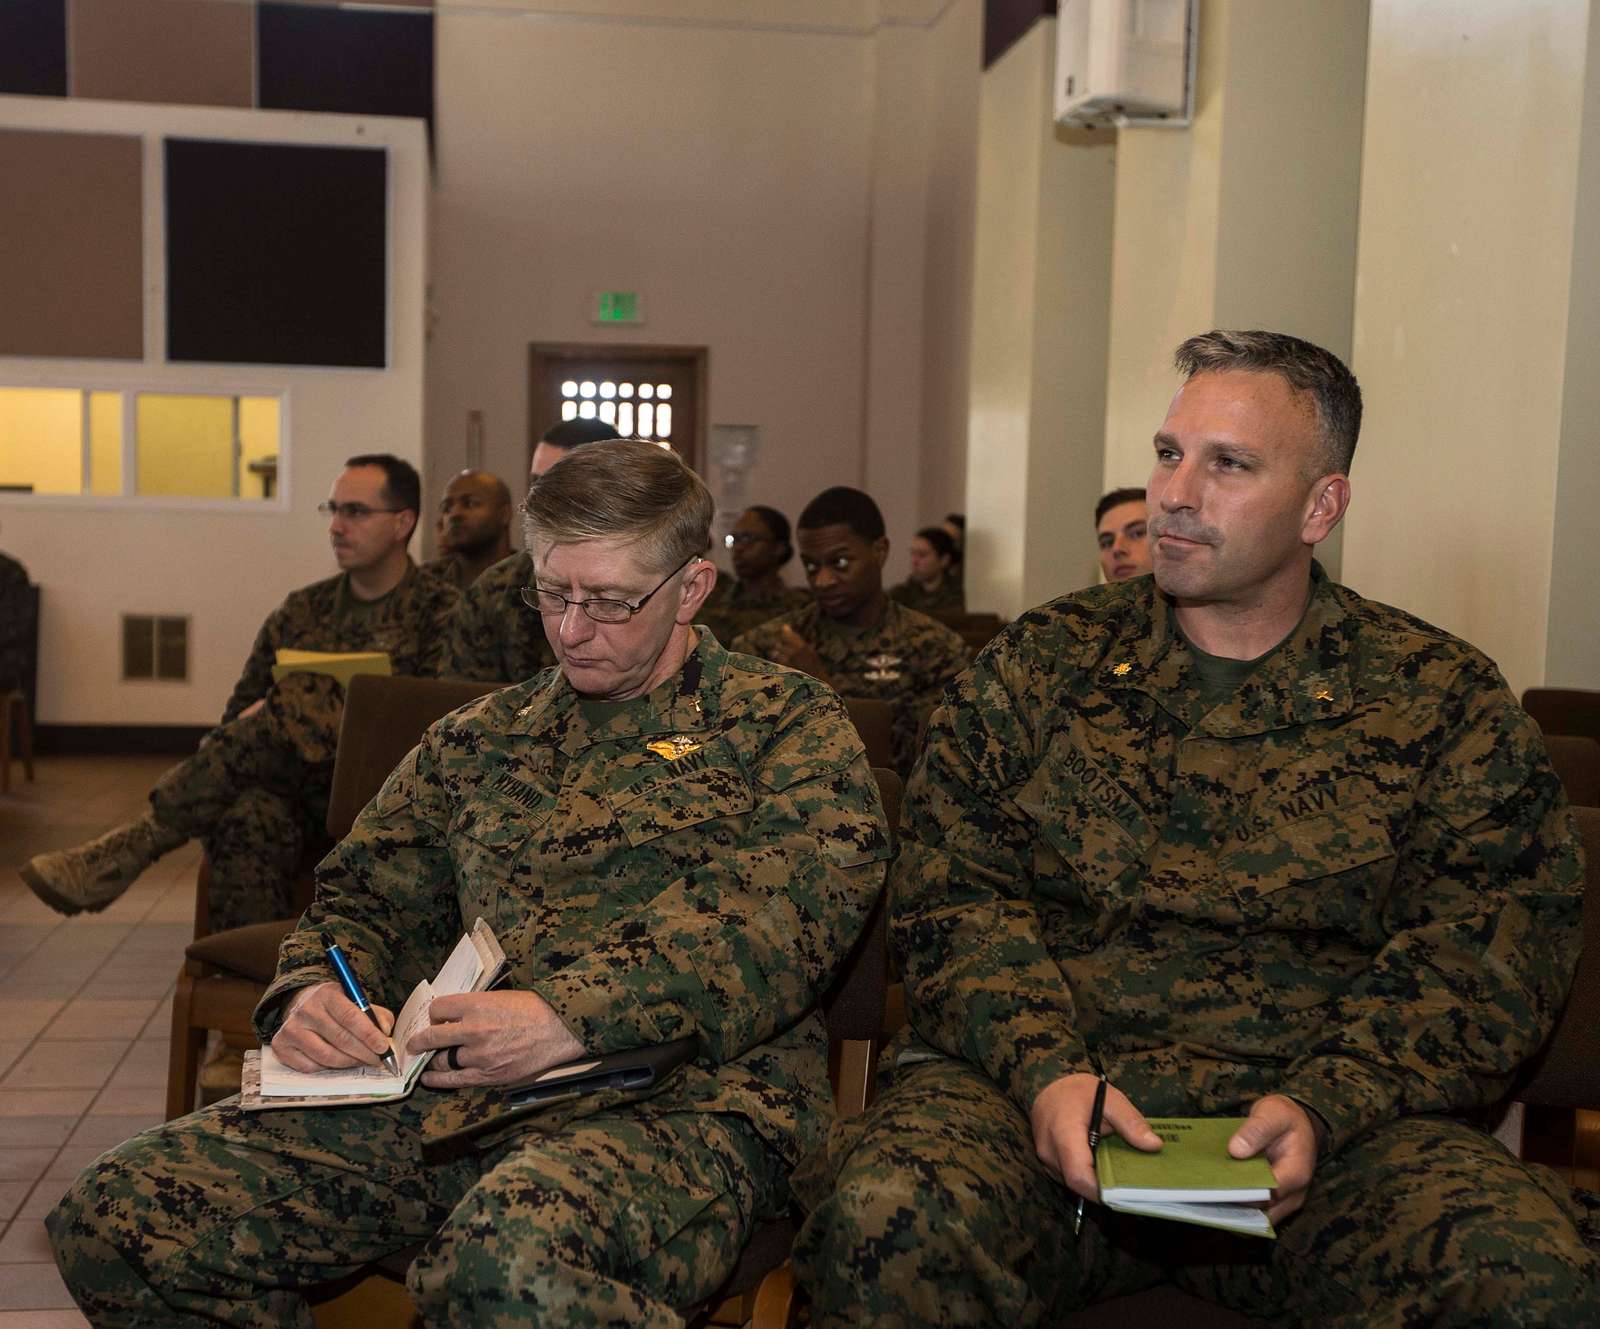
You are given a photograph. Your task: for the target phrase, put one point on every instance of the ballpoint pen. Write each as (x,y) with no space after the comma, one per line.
(1094,1143)
(352,989)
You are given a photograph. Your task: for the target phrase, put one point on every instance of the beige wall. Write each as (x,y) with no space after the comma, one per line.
(1247,219)
(777,185)
(1474,314)
(1040,304)
(223,564)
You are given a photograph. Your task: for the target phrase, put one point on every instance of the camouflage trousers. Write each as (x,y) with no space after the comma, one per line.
(227,1217)
(932,1210)
(255,793)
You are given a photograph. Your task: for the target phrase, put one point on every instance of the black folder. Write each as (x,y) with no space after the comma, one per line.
(638,1068)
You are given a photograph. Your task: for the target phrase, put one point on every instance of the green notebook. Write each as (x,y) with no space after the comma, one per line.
(1191,1179)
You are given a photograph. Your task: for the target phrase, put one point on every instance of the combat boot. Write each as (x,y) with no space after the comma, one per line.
(94,874)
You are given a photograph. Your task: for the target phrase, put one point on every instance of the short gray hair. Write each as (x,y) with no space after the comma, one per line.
(626,490)
(1335,394)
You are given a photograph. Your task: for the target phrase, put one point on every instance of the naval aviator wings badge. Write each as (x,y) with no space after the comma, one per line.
(670,749)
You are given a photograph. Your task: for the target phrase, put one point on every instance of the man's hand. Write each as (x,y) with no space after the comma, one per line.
(1060,1119)
(795,651)
(499,1037)
(1287,1134)
(324,1030)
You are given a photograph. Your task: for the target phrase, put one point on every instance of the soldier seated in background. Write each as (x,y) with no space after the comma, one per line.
(669,840)
(1247,844)
(934,586)
(491,639)
(1122,533)
(475,528)
(259,783)
(760,546)
(852,636)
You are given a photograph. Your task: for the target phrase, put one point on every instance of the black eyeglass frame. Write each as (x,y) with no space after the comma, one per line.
(328,508)
(531,594)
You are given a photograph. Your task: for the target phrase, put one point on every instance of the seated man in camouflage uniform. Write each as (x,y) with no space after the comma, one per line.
(761,546)
(474,528)
(258,785)
(853,636)
(668,839)
(491,639)
(1250,845)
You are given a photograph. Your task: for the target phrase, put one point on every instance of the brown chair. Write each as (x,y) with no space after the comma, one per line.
(874,721)
(14,719)
(1557,1084)
(977,630)
(1577,762)
(1564,710)
(225,973)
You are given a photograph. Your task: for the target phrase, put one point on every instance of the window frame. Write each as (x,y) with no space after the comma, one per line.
(129,499)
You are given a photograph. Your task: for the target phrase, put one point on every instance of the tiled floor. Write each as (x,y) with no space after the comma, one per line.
(84,1013)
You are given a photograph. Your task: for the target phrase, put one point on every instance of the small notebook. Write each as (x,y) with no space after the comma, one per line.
(1191,1179)
(475,964)
(342,665)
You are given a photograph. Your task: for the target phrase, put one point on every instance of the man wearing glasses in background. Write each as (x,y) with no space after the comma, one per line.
(259,783)
(670,840)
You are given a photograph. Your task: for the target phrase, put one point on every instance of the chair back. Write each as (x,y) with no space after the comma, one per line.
(1566,1073)
(384,718)
(1564,710)
(977,630)
(1577,762)
(874,721)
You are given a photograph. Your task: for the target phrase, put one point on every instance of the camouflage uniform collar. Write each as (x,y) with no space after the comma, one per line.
(344,598)
(688,702)
(1304,680)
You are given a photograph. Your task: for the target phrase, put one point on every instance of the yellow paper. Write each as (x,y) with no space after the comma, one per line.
(342,666)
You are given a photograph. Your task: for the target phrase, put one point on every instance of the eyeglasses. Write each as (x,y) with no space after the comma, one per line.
(744,538)
(600,610)
(351,511)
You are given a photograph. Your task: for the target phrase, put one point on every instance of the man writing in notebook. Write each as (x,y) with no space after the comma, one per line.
(1251,846)
(257,788)
(668,840)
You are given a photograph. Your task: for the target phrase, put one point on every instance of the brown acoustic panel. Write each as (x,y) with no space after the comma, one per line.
(71,265)
(189,52)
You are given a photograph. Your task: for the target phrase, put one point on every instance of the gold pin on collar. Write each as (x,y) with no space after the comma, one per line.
(1323,694)
(1123,669)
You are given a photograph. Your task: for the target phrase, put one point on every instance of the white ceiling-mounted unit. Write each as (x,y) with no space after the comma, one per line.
(1125,62)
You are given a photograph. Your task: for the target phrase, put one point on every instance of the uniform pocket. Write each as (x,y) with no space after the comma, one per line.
(1292,869)
(1091,828)
(488,836)
(674,804)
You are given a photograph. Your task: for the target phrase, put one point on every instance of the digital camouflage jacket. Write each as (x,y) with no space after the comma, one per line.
(1354,882)
(495,637)
(411,623)
(699,860)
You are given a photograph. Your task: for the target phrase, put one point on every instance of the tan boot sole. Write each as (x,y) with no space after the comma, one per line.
(42,888)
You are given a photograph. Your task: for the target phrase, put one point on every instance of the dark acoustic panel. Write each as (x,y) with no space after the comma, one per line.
(276,254)
(1006,22)
(33,47)
(360,62)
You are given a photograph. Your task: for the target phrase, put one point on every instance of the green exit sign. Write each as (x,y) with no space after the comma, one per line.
(618,307)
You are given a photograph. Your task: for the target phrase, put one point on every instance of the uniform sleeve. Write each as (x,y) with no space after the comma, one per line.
(1483,926)
(386,893)
(742,944)
(472,640)
(980,983)
(256,679)
(437,619)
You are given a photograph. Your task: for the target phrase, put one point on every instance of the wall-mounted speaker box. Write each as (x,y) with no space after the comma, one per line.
(1125,62)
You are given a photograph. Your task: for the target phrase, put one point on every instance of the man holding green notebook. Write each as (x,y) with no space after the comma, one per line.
(1251,847)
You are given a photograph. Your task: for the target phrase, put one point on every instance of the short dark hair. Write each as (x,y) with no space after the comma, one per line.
(843,506)
(402,486)
(777,526)
(570,433)
(940,539)
(1303,366)
(1116,498)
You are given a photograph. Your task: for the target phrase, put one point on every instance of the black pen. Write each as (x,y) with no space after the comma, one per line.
(352,989)
(1094,1143)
